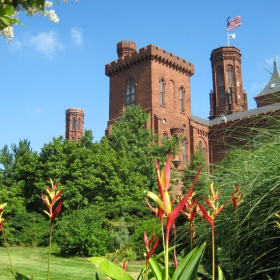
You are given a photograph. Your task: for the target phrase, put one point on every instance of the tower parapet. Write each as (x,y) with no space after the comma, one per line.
(74,124)
(149,52)
(126,48)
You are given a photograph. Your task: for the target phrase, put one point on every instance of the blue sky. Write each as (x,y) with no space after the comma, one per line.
(50,67)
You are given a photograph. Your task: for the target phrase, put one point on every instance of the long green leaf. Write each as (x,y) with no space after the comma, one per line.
(157,270)
(110,269)
(188,267)
(19,276)
(220,274)
(96,277)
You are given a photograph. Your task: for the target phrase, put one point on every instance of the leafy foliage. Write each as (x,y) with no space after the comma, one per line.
(30,229)
(248,236)
(83,233)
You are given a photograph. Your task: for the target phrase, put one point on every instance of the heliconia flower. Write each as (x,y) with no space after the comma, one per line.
(189,213)
(124,265)
(212,198)
(54,197)
(2,220)
(150,246)
(191,208)
(236,196)
(212,203)
(163,201)
(157,211)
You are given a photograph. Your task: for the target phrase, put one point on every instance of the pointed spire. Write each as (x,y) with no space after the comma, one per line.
(273,84)
(275,69)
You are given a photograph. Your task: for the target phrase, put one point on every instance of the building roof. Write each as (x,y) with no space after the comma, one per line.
(238,116)
(274,83)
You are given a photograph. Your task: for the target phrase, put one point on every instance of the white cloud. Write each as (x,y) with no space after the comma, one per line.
(76,36)
(38,110)
(256,88)
(35,110)
(15,45)
(47,43)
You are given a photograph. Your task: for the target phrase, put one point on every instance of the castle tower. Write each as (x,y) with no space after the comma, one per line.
(227,96)
(126,48)
(159,82)
(74,124)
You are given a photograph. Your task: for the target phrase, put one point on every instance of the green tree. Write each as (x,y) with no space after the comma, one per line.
(130,136)
(10,10)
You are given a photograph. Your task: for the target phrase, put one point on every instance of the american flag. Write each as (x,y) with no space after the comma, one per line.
(234,23)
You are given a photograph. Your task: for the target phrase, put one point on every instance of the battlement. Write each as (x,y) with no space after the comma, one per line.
(149,52)
(126,48)
(75,110)
(226,52)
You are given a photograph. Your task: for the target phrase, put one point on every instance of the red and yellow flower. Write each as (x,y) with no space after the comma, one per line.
(2,220)
(211,201)
(50,201)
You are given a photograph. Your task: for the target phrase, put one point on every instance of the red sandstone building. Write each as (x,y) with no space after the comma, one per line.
(74,124)
(159,81)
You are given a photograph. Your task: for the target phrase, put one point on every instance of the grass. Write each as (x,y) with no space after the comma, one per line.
(33,261)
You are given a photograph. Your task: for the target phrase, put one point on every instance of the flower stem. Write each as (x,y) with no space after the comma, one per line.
(166,258)
(50,249)
(8,252)
(213,252)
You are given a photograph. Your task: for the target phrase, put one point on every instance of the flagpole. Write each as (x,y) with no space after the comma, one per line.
(228,39)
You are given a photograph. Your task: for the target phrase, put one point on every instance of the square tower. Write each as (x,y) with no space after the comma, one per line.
(159,82)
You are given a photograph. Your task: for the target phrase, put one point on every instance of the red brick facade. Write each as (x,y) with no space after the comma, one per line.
(159,81)
(74,124)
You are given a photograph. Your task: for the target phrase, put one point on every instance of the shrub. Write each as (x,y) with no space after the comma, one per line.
(83,233)
(28,229)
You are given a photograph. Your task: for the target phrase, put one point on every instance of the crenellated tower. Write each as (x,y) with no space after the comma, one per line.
(74,124)
(227,96)
(157,80)
(126,48)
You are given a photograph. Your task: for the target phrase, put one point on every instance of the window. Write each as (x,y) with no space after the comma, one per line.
(182,95)
(184,143)
(221,87)
(230,77)
(164,136)
(200,145)
(161,92)
(204,153)
(130,93)
(73,123)
(79,124)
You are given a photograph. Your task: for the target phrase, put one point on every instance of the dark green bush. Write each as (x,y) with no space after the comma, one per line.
(83,233)
(28,229)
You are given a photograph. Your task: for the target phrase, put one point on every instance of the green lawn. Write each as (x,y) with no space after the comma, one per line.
(34,261)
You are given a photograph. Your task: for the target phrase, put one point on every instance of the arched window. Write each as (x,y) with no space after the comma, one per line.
(164,136)
(161,86)
(230,77)
(200,145)
(130,93)
(221,86)
(204,153)
(184,148)
(182,96)
(79,124)
(73,123)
